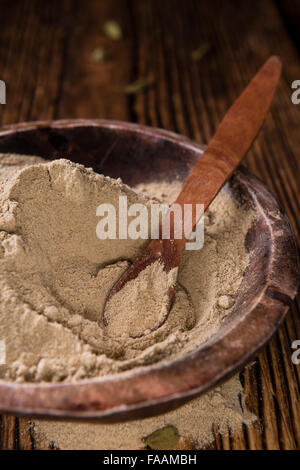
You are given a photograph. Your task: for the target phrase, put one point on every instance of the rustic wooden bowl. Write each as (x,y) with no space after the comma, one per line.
(141,154)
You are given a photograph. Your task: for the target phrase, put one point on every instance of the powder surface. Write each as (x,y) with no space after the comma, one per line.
(55,275)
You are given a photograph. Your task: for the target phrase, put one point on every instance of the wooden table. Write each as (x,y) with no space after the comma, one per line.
(48,65)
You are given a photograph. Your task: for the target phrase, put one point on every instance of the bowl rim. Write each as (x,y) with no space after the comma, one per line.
(170,383)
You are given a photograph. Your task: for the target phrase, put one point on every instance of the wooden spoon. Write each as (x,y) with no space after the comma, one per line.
(225,151)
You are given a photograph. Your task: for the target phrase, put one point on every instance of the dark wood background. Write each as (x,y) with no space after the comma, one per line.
(46,61)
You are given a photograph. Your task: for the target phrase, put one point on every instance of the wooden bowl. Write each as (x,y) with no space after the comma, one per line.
(142,154)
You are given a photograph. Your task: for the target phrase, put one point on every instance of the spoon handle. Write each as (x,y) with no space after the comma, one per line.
(223,154)
(232,140)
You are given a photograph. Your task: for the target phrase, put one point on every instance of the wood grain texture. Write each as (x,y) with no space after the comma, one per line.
(45,57)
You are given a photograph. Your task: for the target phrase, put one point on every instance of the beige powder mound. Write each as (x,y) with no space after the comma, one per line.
(191,426)
(55,275)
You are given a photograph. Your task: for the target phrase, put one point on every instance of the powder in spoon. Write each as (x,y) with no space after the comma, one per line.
(145,301)
(55,275)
